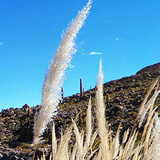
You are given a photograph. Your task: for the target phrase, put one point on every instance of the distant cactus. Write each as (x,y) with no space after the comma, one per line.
(62,93)
(80,117)
(107,99)
(81,87)
(29,114)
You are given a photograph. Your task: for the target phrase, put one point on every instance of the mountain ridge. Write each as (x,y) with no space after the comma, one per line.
(151,68)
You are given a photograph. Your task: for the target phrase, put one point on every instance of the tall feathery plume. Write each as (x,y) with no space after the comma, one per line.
(55,75)
(103,130)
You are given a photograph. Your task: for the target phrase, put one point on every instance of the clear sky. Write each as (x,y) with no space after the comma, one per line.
(124,33)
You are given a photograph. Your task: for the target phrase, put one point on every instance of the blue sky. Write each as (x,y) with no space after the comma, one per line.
(124,33)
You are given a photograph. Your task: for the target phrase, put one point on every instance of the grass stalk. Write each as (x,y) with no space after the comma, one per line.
(102,125)
(55,75)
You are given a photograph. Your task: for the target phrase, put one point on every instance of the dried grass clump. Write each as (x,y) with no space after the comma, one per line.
(110,148)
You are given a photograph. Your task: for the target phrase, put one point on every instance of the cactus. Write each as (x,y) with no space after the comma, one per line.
(81,87)
(62,93)
(80,117)
(29,114)
(107,99)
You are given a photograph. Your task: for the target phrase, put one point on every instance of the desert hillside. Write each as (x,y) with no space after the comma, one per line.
(122,98)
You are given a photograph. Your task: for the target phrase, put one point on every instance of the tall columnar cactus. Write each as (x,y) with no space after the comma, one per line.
(81,87)
(62,93)
(107,99)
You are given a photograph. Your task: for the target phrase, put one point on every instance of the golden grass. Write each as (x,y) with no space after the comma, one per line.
(110,147)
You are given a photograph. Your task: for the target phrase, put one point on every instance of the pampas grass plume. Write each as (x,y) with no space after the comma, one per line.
(55,75)
(102,126)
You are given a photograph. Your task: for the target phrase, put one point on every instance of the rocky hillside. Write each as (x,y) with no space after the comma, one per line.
(122,99)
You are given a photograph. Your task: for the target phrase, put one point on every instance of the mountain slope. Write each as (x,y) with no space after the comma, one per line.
(122,99)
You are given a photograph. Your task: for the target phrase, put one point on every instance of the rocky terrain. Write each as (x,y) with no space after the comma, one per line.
(122,99)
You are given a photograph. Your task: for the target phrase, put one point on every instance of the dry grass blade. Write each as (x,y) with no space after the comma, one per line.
(126,152)
(148,105)
(102,127)
(147,95)
(93,137)
(54,140)
(148,136)
(91,154)
(115,144)
(99,155)
(137,152)
(148,123)
(79,140)
(143,104)
(125,136)
(62,151)
(73,154)
(88,130)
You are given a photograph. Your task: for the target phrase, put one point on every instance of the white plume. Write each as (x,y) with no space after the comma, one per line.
(55,75)
(102,124)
